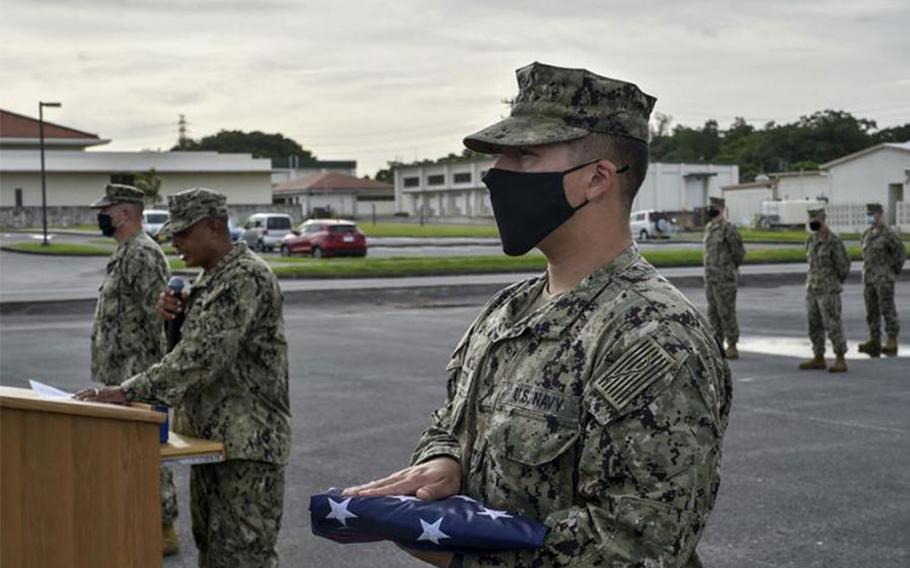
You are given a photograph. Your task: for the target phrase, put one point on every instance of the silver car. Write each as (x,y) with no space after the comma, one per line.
(264,231)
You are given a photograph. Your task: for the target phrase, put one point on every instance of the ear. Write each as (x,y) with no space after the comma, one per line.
(603,181)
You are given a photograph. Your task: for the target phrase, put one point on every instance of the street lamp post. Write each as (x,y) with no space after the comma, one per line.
(41,106)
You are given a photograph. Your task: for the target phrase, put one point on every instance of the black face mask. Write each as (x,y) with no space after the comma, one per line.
(106,224)
(712,212)
(528,206)
(814,225)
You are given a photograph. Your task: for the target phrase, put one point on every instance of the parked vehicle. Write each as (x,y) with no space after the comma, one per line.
(325,237)
(651,224)
(236,232)
(153,220)
(264,231)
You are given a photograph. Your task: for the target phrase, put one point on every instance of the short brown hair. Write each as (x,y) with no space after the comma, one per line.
(620,150)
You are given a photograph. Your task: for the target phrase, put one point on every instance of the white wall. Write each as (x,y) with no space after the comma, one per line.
(796,188)
(667,188)
(84,188)
(744,204)
(866,179)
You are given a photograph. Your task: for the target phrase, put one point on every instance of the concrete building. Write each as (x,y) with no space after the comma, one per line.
(293,167)
(76,175)
(456,192)
(880,173)
(336,194)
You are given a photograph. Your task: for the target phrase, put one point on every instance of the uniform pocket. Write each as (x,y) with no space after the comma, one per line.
(530,438)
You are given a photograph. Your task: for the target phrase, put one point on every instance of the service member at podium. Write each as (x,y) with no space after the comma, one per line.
(228,377)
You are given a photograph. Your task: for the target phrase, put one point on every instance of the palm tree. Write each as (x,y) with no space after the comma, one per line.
(150,184)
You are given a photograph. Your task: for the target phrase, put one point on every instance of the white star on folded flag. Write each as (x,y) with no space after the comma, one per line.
(340,512)
(494,514)
(431,532)
(404,498)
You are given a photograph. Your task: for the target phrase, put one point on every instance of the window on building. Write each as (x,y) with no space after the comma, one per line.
(18,197)
(125,179)
(411,181)
(436,179)
(462,177)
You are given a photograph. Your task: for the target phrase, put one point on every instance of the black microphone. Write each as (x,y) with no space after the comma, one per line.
(175,288)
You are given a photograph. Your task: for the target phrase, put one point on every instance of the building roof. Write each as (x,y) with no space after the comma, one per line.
(329,182)
(801,173)
(767,183)
(902,146)
(20,129)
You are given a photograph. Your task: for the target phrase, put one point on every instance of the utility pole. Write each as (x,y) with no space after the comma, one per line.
(181,132)
(41,106)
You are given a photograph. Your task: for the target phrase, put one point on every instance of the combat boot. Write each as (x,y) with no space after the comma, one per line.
(839,366)
(170,544)
(731,352)
(872,348)
(890,348)
(817,362)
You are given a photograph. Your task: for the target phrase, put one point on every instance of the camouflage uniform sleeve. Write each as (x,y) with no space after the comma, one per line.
(899,254)
(737,252)
(212,341)
(647,476)
(150,280)
(841,260)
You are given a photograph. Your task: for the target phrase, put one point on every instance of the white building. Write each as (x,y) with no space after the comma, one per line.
(878,174)
(456,191)
(744,200)
(335,194)
(75,176)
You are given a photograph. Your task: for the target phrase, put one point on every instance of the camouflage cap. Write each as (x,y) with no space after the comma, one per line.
(719,201)
(193,205)
(557,104)
(815,212)
(874,208)
(119,193)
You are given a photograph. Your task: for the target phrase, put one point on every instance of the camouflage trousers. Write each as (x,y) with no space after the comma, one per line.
(236,507)
(824,312)
(168,497)
(879,299)
(722,309)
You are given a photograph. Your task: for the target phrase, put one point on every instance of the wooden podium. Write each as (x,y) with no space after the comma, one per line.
(79,481)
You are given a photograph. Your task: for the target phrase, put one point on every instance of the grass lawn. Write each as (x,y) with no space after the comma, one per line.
(428,230)
(59,249)
(432,266)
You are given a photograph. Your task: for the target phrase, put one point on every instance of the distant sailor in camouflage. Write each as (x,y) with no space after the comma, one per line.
(723,254)
(883,259)
(127,335)
(595,397)
(829,266)
(229,377)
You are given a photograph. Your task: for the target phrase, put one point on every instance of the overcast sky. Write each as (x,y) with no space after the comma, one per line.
(406,79)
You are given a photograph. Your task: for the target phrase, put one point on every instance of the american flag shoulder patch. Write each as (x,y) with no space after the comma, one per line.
(634,371)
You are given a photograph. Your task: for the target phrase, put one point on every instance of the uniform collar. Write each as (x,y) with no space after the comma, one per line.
(563,310)
(230,257)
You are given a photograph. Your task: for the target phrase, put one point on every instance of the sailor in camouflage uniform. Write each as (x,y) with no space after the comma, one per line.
(593,398)
(883,259)
(127,335)
(829,266)
(228,375)
(723,254)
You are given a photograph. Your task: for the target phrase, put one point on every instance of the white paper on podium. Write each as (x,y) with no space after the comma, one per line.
(48,391)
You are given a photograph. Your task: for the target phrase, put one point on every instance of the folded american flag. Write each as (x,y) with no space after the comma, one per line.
(458,524)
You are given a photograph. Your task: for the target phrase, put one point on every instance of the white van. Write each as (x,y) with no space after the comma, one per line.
(264,231)
(650,224)
(152,220)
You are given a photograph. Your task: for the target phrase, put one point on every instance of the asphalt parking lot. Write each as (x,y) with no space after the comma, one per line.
(815,468)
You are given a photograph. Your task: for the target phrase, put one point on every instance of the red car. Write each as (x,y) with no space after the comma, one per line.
(325,237)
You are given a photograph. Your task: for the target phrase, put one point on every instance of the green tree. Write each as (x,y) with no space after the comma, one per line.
(259,144)
(150,184)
